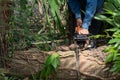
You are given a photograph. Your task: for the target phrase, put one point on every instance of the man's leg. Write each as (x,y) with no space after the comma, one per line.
(71,25)
(83,8)
(96,25)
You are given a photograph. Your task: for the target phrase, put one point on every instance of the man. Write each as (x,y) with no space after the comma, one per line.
(91,7)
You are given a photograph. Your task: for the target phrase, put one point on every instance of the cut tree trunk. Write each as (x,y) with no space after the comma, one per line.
(92,64)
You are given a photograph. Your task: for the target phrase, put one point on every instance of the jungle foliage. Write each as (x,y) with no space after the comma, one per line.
(50,69)
(111,15)
(37,21)
(30,29)
(34,24)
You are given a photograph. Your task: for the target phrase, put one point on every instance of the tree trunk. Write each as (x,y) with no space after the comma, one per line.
(92,64)
(5,13)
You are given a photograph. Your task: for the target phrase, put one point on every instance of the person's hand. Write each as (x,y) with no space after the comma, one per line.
(84,31)
(79,22)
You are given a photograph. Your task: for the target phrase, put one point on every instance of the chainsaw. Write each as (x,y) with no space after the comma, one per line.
(79,42)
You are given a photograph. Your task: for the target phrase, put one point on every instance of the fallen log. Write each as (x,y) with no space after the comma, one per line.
(92,64)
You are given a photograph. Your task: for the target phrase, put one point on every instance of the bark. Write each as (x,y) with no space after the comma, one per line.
(5,13)
(92,64)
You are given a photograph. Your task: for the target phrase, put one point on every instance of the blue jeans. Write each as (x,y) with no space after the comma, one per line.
(98,29)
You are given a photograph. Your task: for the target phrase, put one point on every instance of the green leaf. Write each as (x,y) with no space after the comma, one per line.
(54,7)
(42,74)
(111,15)
(107,48)
(110,57)
(23,4)
(59,26)
(57,2)
(117,3)
(116,45)
(110,7)
(114,41)
(117,58)
(113,69)
(116,67)
(49,60)
(55,63)
(48,71)
(117,34)
(112,29)
(100,17)
(119,47)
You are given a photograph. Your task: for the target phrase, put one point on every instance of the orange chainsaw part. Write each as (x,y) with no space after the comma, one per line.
(78,28)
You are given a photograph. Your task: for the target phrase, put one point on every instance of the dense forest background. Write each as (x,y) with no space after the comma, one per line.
(44,24)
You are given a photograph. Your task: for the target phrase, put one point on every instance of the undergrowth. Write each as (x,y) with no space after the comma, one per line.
(112,16)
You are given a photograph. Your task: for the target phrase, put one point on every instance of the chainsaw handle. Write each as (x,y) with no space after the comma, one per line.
(78,28)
